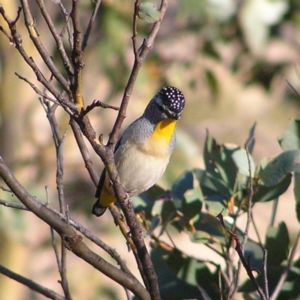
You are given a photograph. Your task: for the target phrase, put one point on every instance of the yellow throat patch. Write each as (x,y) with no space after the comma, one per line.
(164,130)
(158,142)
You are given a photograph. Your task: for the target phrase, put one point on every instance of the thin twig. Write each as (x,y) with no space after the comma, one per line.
(274,211)
(246,231)
(77,58)
(138,61)
(97,103)
(37,91)
(246,263)
(134,29)
(30,25)
(90,26)
(220,283)
(67,25)
(52,233)
(5,189)
(293,88)
(59,43)
(257,232)
(265,274)
(17,41)
(70,238)
(135,228)
(31,284)
(250,197)
(89,235)
(58,142)
(13,205)
(287,268)
(84,152)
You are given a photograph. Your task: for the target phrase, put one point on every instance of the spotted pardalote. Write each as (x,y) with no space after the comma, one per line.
(143,151)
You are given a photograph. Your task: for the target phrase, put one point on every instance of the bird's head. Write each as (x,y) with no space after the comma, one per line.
(168,103)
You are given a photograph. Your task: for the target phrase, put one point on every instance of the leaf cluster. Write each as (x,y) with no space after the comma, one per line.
(229,185)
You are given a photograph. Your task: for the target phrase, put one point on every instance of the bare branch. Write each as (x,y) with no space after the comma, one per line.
(17,41)
(77,58)
(59,44)
(90,26)
(248,222)
(84,152)
(250,197)
(264,273)
(138,62)
(13,205)
(97,103)
(69,237)
(37,91)
(58,142)
(287,268)
(246,264)
(111,251)
(135,228)
(30,24)
(31,284)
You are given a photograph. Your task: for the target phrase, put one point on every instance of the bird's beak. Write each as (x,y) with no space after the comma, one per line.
(173,115)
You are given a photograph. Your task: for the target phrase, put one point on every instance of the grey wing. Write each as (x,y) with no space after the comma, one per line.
(102,177)
(100,183)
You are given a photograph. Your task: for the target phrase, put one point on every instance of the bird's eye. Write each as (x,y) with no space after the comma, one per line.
(160,107)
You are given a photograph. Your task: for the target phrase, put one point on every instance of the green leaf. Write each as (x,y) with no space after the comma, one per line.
(184,183)
(297,194)
(163,208)
(171,287)
(211,226)
(145,201)
(218,161)
(212,187)
(279,166)
(155,222)
(191,205)
(254,253)
(277,244)
(250,142)
(200,237)
(194,272)
(290,288)
(290,140)
(273,274)
(212,82)
(148,12)
(242,161)
(263,193)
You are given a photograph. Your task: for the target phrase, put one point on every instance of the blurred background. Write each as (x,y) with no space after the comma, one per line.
(231,59)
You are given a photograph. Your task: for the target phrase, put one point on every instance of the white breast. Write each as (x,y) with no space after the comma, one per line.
(138,170)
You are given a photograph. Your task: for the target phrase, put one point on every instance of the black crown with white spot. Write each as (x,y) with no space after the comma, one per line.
(172,101)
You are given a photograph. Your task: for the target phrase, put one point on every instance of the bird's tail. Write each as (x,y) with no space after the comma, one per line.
(98,210)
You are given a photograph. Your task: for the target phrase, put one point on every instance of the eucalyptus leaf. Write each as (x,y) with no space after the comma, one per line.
(219,162)
(244,162)
(193,272)
(297,194)
(277,244)
(210,224)
(165,209)
(148,12)
(184,183)
(290,140)
(279,166)
(250,142)
(192,205)
(263,193)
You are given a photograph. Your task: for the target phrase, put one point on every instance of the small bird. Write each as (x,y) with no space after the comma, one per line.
(143,151)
